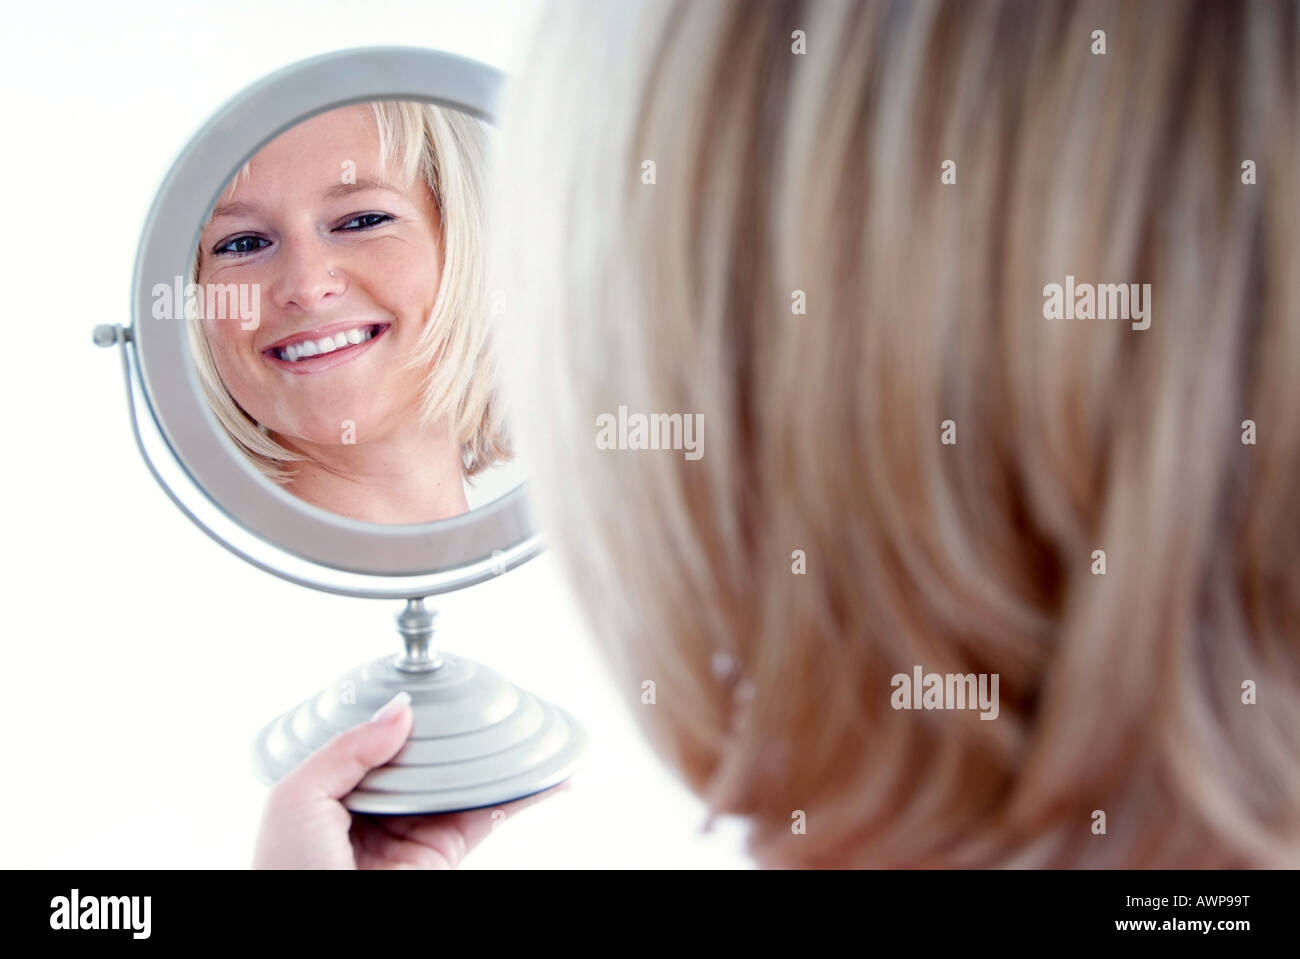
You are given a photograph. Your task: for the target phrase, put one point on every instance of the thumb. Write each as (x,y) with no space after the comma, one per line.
(336,768)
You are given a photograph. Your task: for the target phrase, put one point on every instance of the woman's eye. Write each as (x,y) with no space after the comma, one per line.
(364,221)
(241,246)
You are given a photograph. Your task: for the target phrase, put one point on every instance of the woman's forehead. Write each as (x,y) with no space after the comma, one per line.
(352,127)
(339,146)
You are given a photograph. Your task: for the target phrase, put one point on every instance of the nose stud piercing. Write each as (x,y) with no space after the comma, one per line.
(331,272)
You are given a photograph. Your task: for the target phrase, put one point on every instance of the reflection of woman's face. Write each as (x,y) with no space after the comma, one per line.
(328,350)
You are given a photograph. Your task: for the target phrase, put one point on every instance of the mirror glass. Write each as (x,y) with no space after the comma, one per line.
(339,318)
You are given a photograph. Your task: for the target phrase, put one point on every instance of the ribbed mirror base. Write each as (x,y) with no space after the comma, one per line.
(478,740)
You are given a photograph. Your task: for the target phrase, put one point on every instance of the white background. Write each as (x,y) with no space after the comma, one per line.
(138,658)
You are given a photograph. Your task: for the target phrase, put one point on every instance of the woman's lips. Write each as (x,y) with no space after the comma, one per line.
(315,354)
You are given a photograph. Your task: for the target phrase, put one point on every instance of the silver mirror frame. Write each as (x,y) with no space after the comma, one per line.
(185,446)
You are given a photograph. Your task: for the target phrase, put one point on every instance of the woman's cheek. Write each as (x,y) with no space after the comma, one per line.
(232,367)
(402,280)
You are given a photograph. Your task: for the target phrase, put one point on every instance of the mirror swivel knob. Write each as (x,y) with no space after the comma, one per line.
(109,334)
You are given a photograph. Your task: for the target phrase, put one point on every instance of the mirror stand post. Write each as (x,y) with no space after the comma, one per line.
(415,623)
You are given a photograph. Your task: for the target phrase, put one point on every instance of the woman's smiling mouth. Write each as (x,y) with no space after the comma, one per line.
(318,350)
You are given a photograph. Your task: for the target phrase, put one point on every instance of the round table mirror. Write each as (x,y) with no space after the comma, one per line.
(310,372)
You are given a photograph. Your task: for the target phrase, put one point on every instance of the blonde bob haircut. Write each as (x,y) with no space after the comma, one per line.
(691,177)
(448,150)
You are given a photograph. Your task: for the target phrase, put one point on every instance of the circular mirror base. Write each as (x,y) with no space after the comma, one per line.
(477,739)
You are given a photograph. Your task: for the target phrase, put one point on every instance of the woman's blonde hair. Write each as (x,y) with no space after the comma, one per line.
(447,149)
(739,209)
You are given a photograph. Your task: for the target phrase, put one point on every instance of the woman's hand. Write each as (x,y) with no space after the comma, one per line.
(305,826)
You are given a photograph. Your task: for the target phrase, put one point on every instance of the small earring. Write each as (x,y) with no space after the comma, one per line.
(331,272)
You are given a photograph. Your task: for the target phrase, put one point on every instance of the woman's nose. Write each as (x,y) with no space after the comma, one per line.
(305,276)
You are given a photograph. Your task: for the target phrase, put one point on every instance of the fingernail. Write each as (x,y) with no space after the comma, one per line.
(391,709)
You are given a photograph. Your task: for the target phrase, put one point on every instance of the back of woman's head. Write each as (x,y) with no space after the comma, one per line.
(747,211)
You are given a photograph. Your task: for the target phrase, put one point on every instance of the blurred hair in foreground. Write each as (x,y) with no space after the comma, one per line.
(820,172)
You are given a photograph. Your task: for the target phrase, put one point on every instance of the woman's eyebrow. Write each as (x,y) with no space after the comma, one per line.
(365,183)
(234,208)
(239,208)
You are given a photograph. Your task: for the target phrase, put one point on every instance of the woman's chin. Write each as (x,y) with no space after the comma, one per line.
(345,430)
(316,417)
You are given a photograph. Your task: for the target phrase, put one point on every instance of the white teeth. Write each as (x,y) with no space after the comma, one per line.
(326,344)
